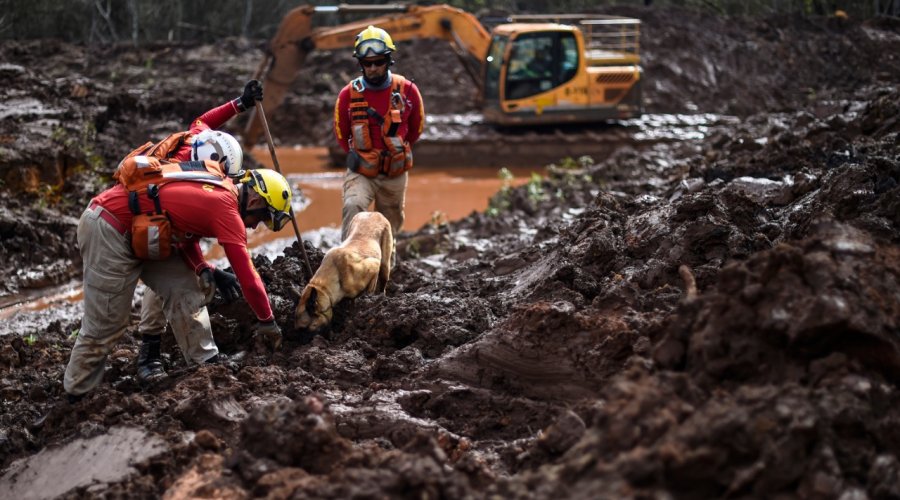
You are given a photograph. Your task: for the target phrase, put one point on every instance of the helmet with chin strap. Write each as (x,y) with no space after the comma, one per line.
(221,147)
(275,190)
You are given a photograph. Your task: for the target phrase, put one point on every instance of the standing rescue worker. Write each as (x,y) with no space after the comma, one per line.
(377,118)
(196,209)
(193,334)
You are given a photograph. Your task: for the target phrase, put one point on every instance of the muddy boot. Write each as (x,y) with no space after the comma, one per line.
(150,368)
(232,362)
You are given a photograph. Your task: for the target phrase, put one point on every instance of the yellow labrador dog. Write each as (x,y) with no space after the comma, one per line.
(361,263)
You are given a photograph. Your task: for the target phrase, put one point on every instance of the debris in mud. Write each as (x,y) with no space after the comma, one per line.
(86,464)
(712,314)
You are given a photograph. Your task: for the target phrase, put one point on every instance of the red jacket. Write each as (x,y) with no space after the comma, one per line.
(204,211)
(413,118)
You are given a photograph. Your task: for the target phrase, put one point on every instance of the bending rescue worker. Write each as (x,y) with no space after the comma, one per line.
(117,236)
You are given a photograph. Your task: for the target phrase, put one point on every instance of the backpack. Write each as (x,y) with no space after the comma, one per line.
(163,148)
(152,234)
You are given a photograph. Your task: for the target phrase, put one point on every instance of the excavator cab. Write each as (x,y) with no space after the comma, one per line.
(546,73)
(524,70)
(530,70)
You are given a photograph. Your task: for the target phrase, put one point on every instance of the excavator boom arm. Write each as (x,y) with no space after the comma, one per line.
(296,38)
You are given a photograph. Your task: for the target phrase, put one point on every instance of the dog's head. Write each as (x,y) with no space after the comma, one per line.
(314,309)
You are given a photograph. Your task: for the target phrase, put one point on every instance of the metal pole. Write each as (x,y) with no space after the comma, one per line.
(265,124)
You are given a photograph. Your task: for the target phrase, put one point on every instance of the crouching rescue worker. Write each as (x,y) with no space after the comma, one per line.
(377,118)
(125,234)
(200,142)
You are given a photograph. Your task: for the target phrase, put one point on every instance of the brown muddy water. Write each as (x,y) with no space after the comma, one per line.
(434,195)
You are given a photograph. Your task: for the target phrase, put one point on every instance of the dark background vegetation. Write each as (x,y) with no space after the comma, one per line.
(142,21)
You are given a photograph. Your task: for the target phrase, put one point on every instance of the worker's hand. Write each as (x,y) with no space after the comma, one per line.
(228,285)
(253,92)
(208,284)
(269,332)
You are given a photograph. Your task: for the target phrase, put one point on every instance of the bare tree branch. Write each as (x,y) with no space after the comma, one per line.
(248,11)
(106,17)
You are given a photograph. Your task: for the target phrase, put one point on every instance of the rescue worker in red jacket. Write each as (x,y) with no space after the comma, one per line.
(196,209)
(377,119)
(192,332)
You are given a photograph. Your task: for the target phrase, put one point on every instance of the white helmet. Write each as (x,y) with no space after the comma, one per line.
(221,147)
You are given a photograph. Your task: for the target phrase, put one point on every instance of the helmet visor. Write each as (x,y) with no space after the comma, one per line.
(277,219)
(371,48)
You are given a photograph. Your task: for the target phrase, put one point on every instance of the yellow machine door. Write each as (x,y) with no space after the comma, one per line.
(539,81)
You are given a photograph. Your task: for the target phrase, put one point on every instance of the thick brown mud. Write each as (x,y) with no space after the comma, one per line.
(712,315)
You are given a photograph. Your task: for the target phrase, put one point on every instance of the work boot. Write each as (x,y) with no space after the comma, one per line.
(150,368)
(232,362)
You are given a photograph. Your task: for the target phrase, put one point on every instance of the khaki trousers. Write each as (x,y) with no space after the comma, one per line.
(111,273)
(194,347)
(389,195)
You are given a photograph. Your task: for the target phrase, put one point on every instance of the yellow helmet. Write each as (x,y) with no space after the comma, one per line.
(373,41)
(273,188)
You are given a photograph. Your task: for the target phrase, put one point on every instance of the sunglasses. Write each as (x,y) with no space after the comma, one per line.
(377,62)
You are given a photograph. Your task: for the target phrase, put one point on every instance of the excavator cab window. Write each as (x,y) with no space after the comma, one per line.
(569,58)
(493,67)
(539,62)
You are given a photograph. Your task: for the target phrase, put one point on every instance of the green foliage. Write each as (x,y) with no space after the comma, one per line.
(414,249)
(74,334)
(438,219)
(535,188)
(30,339)
(807,7)
(500,201)
(79,143)
(569,170)
(110,22)
(47,196)
(569,163)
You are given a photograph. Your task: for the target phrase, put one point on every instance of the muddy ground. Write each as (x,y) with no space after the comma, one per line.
(713,316)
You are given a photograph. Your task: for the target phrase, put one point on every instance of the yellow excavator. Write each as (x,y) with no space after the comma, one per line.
(530,70)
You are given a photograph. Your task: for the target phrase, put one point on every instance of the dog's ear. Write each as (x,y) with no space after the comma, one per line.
(312,301)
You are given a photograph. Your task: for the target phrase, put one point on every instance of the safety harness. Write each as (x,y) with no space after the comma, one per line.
(396,158)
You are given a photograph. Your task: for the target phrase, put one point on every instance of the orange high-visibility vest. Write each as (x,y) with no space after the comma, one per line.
(396,158)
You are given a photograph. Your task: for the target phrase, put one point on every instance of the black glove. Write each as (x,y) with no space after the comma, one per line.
(253,92)
(228,285)
(225,282)
(269,332)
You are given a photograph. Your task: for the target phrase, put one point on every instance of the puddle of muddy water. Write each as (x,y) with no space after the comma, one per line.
(433,194)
